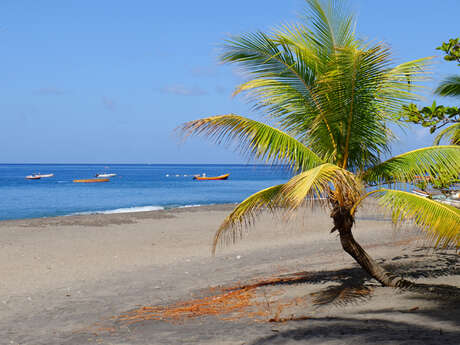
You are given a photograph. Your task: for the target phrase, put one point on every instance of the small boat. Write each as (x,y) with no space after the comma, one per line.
(421,193)
(45,175)
(452,200)
(38,176)
(206,178)
(92,180)
(106,175)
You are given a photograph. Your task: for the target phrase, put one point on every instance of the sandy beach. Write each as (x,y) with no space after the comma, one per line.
(70,280)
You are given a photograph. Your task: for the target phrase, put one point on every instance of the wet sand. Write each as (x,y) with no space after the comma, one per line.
(64,279)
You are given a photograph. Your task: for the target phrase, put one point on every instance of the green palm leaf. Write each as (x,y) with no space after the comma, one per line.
(452,133)
(428,161)
(259,140)
(441,222)
(283,84)
(449,86)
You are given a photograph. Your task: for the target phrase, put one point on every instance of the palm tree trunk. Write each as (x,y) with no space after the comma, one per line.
(343,222)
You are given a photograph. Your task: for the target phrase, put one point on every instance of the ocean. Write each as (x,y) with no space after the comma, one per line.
(137,187)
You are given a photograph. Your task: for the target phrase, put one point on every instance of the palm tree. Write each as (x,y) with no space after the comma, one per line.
(449,87)
(329,99)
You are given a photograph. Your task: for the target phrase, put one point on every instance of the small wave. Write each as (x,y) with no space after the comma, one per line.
(197,205)
(122,210)
(133,209)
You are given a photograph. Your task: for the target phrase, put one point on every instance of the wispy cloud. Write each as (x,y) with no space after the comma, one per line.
(50,91)
(109,103)
(182,90)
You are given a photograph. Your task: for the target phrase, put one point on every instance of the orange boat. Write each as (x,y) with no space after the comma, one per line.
(92,180)
(201,178)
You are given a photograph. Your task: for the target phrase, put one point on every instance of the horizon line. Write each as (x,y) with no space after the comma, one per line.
(106,163)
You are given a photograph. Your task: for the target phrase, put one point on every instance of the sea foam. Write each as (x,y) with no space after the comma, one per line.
(122,210)
(131,210)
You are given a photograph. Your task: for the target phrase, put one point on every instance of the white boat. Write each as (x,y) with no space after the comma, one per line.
(452,200)
(421,193)
(45,175)
(36,176)
(106,175)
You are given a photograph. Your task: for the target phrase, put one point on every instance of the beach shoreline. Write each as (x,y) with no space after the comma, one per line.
(64,275)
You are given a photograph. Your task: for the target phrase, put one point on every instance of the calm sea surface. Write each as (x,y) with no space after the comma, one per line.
(135,188)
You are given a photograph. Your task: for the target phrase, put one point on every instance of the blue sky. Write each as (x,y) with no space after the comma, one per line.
(108,81)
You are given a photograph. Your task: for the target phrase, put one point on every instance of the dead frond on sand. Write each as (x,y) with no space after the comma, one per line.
(226,303)
(263,300)
(218,305)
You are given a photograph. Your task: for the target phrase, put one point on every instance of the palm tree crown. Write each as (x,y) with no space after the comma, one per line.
(330,98)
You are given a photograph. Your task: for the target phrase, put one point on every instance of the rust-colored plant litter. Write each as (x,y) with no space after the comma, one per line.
(230,303)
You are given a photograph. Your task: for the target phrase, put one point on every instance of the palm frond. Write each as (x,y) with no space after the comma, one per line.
(452,133)
(427,161)
(316,185)
(282,83)
(441,222)
(325,181)
(245,213)
(330,25)
(402,83)
(257,139)
(449,86)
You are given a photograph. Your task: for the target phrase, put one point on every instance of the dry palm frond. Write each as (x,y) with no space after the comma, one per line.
(226,303)
(318,185)
(441,222)
(245,214)
(218,305)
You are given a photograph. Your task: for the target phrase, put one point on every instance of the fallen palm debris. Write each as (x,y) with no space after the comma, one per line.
(230,303)
(259,301)
(222,304)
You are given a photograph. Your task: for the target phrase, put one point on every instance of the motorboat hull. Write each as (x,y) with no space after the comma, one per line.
(211,178)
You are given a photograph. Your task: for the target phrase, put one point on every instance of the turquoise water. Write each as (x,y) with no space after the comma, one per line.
(135,188)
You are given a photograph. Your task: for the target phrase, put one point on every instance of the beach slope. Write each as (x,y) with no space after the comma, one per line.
(73,280)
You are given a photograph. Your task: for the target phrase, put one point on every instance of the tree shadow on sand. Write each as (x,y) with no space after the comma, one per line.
(354,284)
(441,303)
(339,330)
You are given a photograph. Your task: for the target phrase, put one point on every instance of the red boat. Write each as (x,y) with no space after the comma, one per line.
(205,178)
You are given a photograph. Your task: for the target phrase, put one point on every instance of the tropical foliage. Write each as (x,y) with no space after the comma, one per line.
(329,99)
(438,116)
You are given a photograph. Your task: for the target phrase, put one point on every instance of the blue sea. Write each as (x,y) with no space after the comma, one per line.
(137,187)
